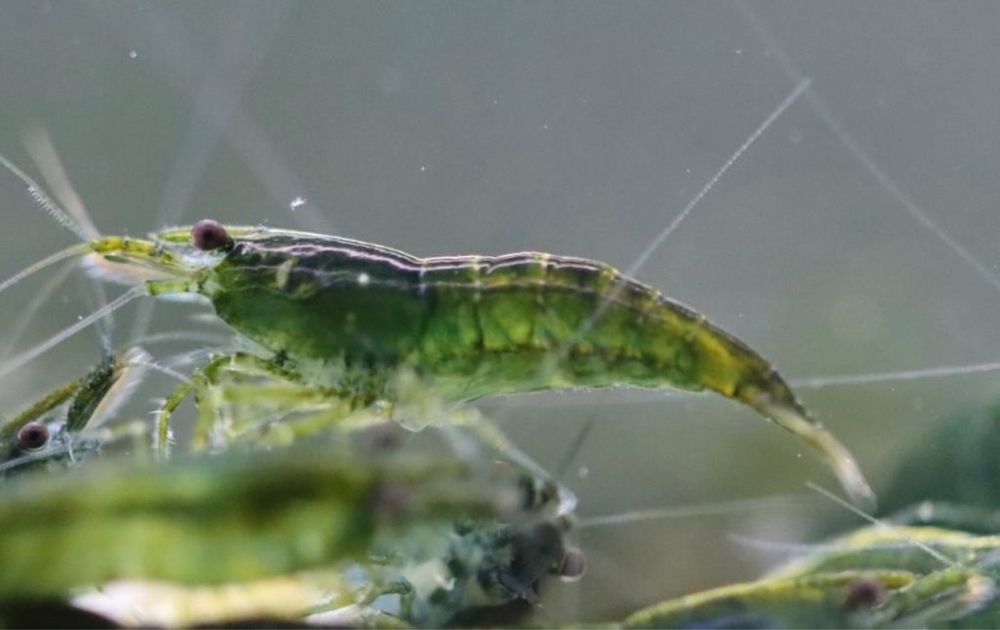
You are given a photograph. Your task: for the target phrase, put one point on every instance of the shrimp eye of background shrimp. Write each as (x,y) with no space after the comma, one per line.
(574,565)
(208,235)
(864,593)
(32,436)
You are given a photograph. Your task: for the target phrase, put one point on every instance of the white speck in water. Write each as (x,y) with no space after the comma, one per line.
(545,126)
(583,472)
(798,455)
(738,51)
(133,54)
(297,203)
(496,101)
(364,279)
(423,168)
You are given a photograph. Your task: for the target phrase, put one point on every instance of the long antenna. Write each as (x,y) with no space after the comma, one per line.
(22,359)
(46,203)
(72,214)
(40,148)
(934,553)
(691,511)
(877,172)
(661,238)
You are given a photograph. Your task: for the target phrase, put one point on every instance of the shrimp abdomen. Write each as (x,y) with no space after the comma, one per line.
(533,321)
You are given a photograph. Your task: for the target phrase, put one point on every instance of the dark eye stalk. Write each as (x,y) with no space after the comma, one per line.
(209,235)
(32,436)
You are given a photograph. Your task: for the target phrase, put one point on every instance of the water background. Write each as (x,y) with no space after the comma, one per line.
(578,128)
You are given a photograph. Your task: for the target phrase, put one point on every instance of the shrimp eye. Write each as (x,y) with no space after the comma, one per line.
(208,235)
(573,566)
(864,593)
(32,436)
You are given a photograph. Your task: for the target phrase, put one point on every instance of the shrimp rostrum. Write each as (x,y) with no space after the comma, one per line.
(343,317)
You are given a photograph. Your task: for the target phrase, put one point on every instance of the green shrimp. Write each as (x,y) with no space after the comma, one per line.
(210,538)
(345,316)
(873,598)
(36,435)
(877,576)
(227,518)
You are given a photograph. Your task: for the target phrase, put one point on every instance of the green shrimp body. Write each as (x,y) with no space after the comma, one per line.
(476,325)
(471,325)
(225,519)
